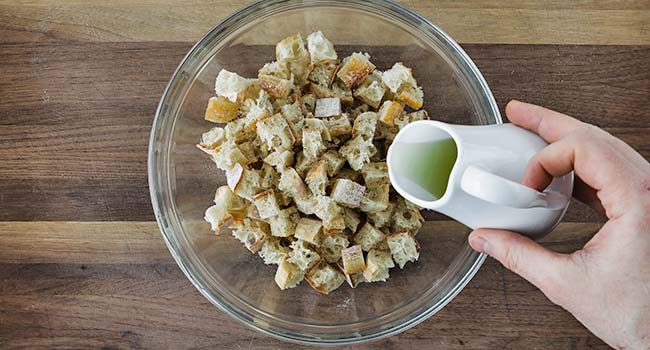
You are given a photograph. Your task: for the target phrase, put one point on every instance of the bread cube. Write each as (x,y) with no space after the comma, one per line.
(352,219)
(353,261)
(309,230)
(231,86)
(288,275)
(266,203)
(322,73)
(357,109)
(403,247)
(375,172)
(375,198)
(320,48)
(368,236)
(312,143)
(347,193)
(257,110)
(327,107)
(320,125)
(303,163)
(398,76)
(413,96)
(378,262)
(339,126)
(411,117)
(331,246)
(371,90)
(213,138)
(273,252)
(306,205)
(324,278)
(333,162)
(280,160)
(406,217)
(275,78)
(284,223)
(382,218)
(365,125)
(303,255)
(390,111)
(343,92)
(250,150)
(331,213)
(227,206)
(291,184)
(316,179)
(252,233)
(228,155)
(237,131)
(276,133)
(347,173)
(244,182)
(308,103)
(221,110)
(269,178)
(357,151)
(354,68)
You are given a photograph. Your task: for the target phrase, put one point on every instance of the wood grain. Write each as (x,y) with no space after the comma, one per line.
(484,21)
(113,285)
(75,118)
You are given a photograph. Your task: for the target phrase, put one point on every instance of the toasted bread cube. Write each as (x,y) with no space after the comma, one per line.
(316,179)
(292,50)
(320,48)
(227,206)
(306,205)
(320,92)
(352,219)
(368,236)
(213,138)
(284,224)
(238,132)
(343,92)
(308,103)
(406,217)
(347,173)
(378,262)
(309,230)
(371,90)
(320,125)
(357,151)
(365,125)
(353,260)
(322,73)
(403,247)
(250,150)
(280,160)
(382,218)
(339,126)
(406,119)
(266,203)
(273,252)
(331,246)
(252,233)
(347,193)
(288,275)
(276,133)
(398,76)
(390,111)
(252,213)
(275,86)
(375,172)
(269,178)
(375,198)
(245,183)
(231,86)
(257,110)
(333,162)
(331,213)
(221,110)
(228,155)
(324,278)
(413,96)
(328,107)
(291,184)
(354,68)
(386,133)
(303,163)
(303,255)
(312,143)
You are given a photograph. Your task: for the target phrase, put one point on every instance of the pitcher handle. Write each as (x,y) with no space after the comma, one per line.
(492,188)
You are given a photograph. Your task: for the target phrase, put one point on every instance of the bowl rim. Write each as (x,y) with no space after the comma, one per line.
(156,157)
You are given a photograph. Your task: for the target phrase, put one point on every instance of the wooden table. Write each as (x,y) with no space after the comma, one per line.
(82,264)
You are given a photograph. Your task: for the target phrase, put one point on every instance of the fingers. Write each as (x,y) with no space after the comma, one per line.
(587,195)
(521,255)
(548,124)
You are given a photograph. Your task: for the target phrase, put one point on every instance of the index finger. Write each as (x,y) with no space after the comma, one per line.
(548,124)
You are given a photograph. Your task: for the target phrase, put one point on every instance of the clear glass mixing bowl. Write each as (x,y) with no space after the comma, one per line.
(183,180)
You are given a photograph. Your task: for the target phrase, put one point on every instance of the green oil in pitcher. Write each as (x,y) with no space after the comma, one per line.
(427,164)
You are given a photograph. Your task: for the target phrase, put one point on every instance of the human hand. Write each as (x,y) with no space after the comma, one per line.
(606,284)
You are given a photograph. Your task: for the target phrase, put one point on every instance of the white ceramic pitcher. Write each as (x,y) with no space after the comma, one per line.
(484,189)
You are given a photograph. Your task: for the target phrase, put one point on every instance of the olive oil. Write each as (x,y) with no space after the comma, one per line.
(427,164)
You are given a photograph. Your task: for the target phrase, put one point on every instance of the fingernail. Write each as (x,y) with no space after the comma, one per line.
(479,244)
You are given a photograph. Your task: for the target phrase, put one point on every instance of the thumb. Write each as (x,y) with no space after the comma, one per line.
(522,256)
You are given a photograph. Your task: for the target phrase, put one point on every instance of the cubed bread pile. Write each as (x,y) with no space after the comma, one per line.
(304,146)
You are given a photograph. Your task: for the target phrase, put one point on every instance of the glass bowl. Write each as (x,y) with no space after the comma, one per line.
(183,180)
